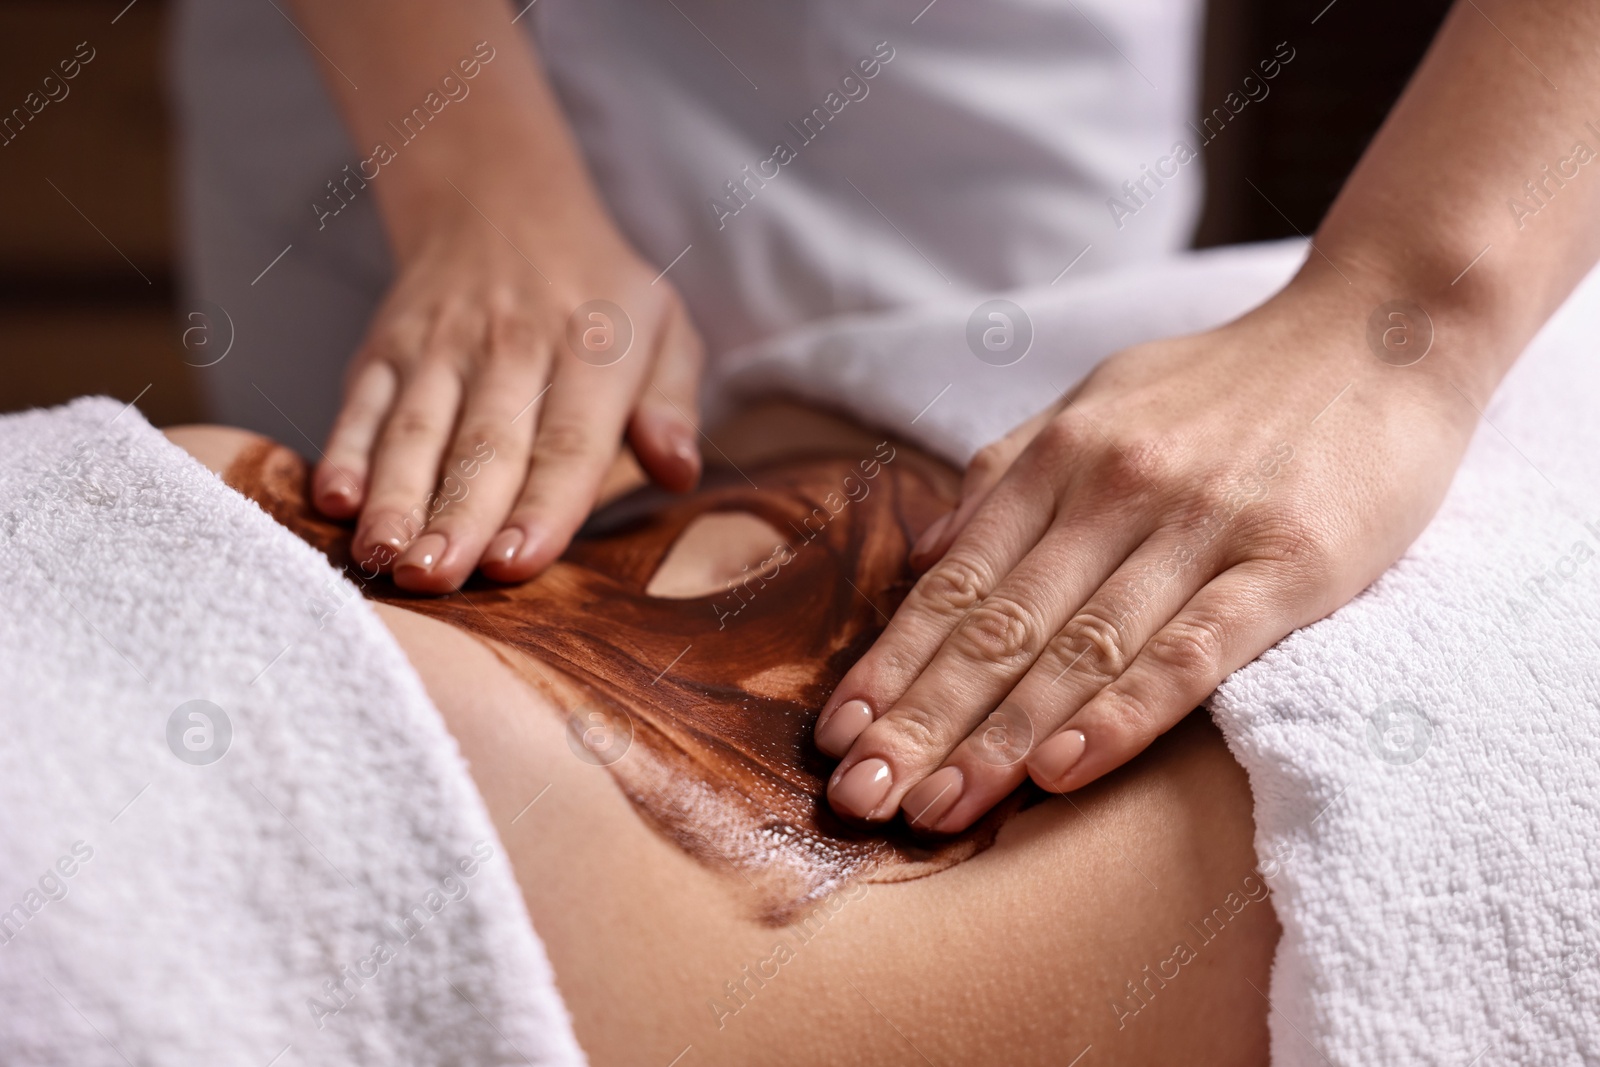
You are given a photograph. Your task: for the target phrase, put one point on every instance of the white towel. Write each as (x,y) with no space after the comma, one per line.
(1423,762)
(159,908)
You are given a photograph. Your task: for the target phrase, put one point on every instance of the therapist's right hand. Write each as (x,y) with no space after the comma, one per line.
(492,393)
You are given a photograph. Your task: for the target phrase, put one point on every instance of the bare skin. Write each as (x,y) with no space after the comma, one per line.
(1197,498)
(1098,578)
(499,240)
(1015,956)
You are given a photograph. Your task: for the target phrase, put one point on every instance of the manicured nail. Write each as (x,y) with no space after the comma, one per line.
(1052,760)
(681,440)
(838,731)
(503,549)
(930,799)
(377,548)
(513,546)
(424,554)
(930,536)
(863,788)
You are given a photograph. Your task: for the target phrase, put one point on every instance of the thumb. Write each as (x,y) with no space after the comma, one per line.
(664,430)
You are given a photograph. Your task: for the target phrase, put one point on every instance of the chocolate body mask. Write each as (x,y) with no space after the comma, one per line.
(702,708)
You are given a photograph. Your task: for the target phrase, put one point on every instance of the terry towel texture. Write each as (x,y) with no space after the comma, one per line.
(329,890)
(1424,761)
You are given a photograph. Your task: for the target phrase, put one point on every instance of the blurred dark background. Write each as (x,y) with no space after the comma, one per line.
(87,249)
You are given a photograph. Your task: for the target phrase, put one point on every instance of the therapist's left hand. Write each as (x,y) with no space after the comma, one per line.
(1111,561)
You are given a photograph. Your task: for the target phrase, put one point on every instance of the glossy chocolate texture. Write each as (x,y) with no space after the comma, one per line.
(703,708)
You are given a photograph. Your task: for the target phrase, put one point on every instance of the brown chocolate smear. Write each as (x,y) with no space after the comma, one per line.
(703,708)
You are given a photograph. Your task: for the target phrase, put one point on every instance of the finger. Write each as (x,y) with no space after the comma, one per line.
(664,429)
(338,487)
(1233,619)
(1088,651)
(406,465)
(485,470)
(579,433)
(973,670)
(1019,512)
(987,466)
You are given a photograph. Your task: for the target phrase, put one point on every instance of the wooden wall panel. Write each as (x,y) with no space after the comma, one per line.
(86,272)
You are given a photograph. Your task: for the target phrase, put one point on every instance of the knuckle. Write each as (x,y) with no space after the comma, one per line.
(533,505)
(397,340)
(444,355)
(511,334)
(1213,502)
(1190,646)
(1133,598)
(989,461)
(911,732)
(485,440)
(1220,501)
(1133,468)
(1091,646)
(1309,549)
(884,671)
(456,319)
(410,424)
(361,412)
(952,586)
(1061,438)
(507,298)
(1130,714)
(563,441)
(999,629)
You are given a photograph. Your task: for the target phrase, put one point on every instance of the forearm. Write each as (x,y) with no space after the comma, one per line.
(1440,183)
(481,114)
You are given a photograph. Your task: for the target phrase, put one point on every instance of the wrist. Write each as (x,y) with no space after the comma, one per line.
(490,143)
(502,171)
(1446,323)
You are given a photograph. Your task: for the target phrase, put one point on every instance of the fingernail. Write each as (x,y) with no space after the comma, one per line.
(681,439)
(863,788)
(836,733)
(513,546)
(1052,760)
(503,549)
(930,536)
(373,546)
(930,799)
(424,553)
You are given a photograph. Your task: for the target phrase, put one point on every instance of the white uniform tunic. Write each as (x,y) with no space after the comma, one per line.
(792,160)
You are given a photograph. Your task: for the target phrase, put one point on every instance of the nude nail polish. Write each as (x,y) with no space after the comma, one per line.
(514,546)
(930,536)
(1052,760)
(381,552)
(503,549)
(836,733)
(681,439)
(932,798)
(863,788)
(425,553)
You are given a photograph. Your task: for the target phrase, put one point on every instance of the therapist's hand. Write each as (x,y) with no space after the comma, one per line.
(523,338)
(481,413)
(1111,561)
